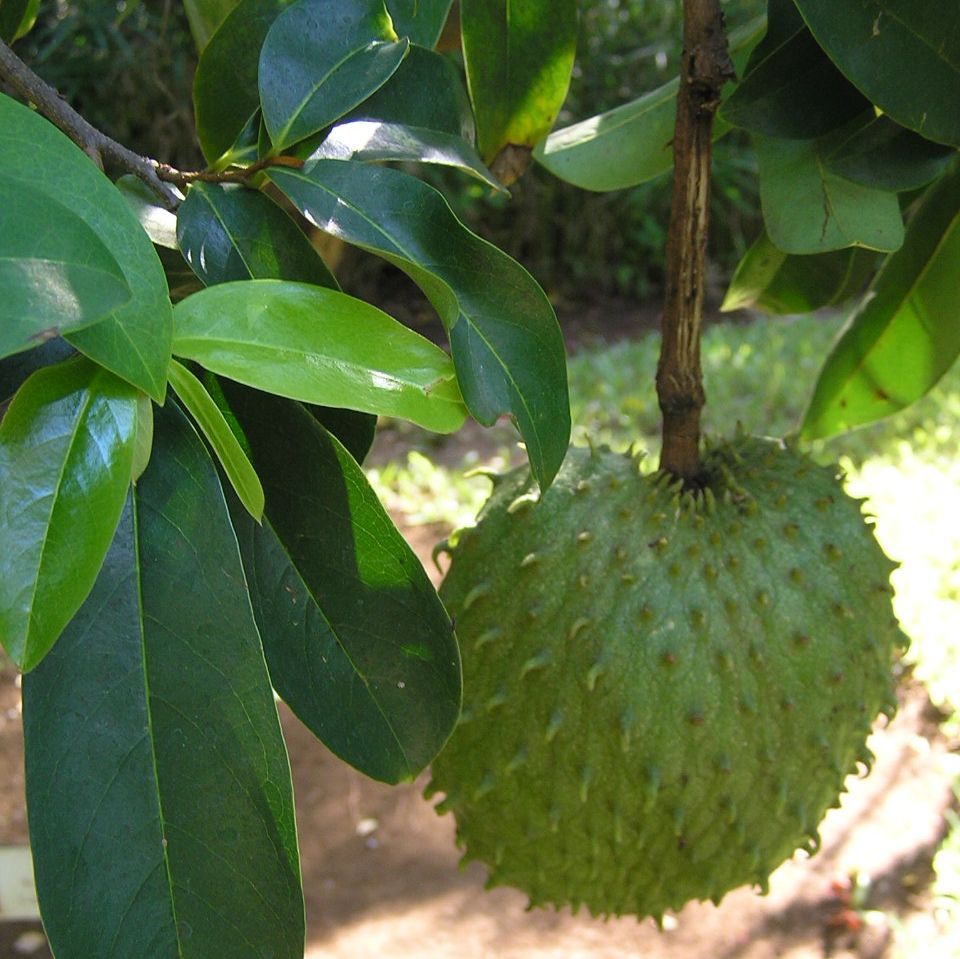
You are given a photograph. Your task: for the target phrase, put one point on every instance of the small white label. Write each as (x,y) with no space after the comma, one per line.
(18,895)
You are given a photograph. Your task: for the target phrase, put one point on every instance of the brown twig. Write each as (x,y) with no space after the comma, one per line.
(705,67)
(100,148)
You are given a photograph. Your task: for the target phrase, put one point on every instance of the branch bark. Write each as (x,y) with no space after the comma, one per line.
(705,68)
(96,144)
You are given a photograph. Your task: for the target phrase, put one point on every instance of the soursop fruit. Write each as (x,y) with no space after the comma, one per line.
(664,690)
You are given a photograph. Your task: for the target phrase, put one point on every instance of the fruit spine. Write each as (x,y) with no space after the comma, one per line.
(663,689)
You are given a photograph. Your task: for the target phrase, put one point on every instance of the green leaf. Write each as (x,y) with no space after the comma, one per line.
(319,346)
(158,787)
(904,55)
(371,140)
(518,71)
(809,209)
(776,282)
(197,401)
(887,156)
(906,333)
(234,233)
(158,222)
(16,18)
(631,143)
(401,99)
(225,91)
(15,369)
(143,441)
(420,20)
(361,649)
(507,346)
(319,60)
(791,88)
(134,340)
(55,274)
(66,453)
(204,17)
(356,431)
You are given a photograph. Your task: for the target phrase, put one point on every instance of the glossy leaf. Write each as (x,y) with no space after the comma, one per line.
(506,343)
(906,333)
(791,88)
(159,223)
(371,140)
(904,55)
(15,369)
(66,452)
(233,233)
(158,787)
(781,283)
(205,412)
(134,340)
(517,71)
(16,18)
(887,156)
(401,99)
(360,648)
(319,60)
(632,143)
(319,346)
(205,16)
(55,274)
(225,91)
(420,20)
(808,209)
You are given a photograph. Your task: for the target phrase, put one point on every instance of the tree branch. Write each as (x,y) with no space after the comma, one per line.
(100,148)
(97,145)
(705,67)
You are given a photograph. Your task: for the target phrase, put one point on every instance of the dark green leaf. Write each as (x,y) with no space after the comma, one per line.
(355,430)
(902,54)
(205,16)
(66,453)
(401,99)
(205,412)
(518,71)
(320,346)
(356,639)
(15,369)
(506,343)
(134,340)
(158,787)
(632,143)
(791,88)
(808,209)
(158,222)
(906,333)
(372,140)
(233,233)
(319,60)
(225,92)
(420,20)
(16,18)
(55,274)
(782,283)
(887,156)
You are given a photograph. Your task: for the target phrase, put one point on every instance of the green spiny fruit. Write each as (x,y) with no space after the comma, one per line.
(663,689)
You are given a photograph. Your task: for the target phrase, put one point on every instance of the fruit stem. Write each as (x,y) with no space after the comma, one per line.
(705,68)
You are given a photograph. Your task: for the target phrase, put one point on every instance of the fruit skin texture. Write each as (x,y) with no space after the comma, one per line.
(663,690)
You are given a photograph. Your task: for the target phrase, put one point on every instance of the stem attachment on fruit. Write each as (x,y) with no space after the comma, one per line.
(705,68)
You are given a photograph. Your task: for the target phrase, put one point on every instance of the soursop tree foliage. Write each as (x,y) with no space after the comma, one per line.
(187,396)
